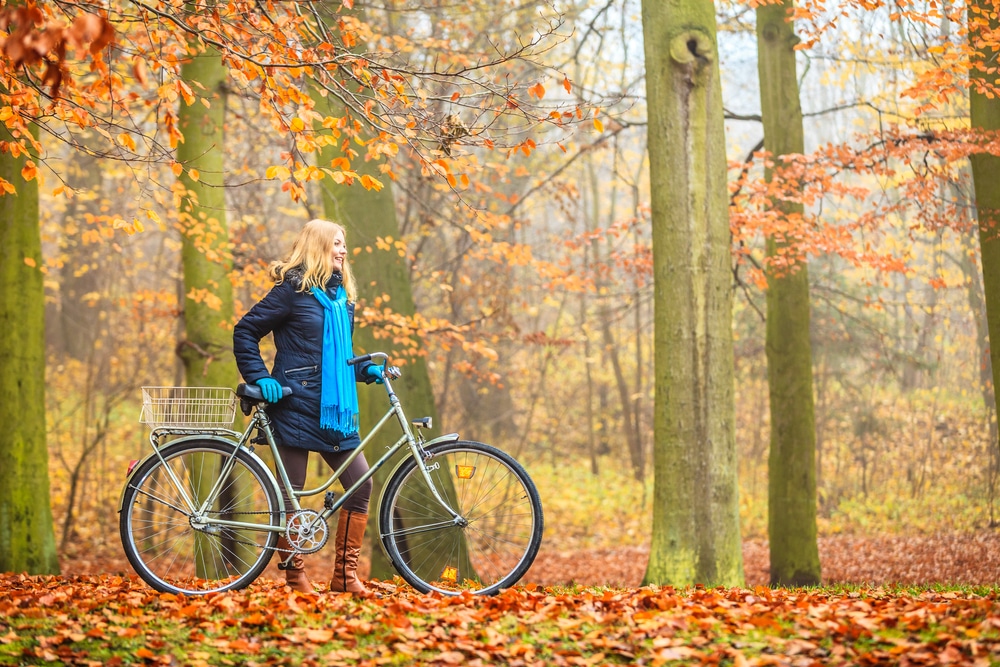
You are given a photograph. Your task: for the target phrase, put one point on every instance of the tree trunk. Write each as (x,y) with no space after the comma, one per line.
(27,539)
(696,527)
(368,216)
(792,461)
(208,303)
(984,111)
(207,348)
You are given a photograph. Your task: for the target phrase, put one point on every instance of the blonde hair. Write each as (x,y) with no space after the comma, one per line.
(312,253)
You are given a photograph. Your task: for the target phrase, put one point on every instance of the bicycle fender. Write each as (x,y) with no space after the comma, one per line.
(135,468)
(447,437)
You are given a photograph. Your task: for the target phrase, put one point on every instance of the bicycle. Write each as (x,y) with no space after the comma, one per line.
(203,512)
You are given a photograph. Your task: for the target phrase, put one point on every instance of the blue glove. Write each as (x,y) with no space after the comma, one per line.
(375,371)
(270,388)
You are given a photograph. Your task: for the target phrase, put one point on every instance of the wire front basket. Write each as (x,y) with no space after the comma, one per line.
(188,407)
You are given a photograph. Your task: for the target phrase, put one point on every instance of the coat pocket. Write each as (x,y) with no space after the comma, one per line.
(303,376)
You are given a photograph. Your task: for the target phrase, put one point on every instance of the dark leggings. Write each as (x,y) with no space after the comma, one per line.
(296,462)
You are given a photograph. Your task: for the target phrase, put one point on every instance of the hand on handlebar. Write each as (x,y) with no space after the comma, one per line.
(375,371)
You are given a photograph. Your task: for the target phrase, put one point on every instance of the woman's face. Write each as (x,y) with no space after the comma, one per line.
(339,250)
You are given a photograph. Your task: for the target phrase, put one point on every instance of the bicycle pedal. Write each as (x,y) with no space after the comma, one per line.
(329,499)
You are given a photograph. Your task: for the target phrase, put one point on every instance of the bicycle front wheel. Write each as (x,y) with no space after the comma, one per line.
(177,550)
(488,547)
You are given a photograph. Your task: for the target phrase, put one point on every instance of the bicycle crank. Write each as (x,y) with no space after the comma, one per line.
(307,531)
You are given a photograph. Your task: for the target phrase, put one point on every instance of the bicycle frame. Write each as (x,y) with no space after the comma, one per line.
(262,421)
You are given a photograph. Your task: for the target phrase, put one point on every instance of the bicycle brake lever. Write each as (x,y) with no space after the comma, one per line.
(392,372)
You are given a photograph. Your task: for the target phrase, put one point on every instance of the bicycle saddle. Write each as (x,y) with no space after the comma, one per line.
(251,393)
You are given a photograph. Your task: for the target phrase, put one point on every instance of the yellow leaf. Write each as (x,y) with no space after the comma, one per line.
(176,168)
(7,187)
(6,113)
(194,174)
(278,171)
(28,172)
(297,125)
(598,125)
(30,261)
(152,215)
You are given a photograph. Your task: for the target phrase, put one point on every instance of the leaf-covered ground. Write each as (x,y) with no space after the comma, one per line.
(114,620)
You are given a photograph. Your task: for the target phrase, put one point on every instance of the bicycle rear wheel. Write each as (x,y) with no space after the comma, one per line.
(175,551)
(494,541)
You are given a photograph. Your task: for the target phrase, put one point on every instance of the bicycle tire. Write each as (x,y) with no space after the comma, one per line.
(496,497)
(159,534)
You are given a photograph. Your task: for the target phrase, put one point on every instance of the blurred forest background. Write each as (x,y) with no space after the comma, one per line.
(531,273)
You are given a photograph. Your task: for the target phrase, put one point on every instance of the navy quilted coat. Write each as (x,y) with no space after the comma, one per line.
(295,319)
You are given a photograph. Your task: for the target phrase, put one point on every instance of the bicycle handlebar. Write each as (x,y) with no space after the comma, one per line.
(367,357)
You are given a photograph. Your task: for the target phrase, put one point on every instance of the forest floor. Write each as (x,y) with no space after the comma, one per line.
(956,559)
(937,559)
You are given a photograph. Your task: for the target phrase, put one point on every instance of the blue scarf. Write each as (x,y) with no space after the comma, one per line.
(339,397)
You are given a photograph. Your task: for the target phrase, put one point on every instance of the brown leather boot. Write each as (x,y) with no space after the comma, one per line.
(350,536)
(295,572)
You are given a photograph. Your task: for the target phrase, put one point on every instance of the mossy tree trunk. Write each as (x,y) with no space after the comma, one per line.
(984,111)
(368,216)
(208,304)
(696,530)
(792,460)
(207,348)
(27,539)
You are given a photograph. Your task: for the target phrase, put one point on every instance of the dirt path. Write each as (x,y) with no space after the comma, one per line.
(951,559)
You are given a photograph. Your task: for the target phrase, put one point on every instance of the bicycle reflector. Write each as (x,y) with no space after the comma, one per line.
(465,472)
(449,574)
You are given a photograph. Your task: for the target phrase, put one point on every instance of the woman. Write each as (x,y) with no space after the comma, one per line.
(310,314)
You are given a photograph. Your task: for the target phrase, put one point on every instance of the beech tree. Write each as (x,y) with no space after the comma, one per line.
(696,529)
(369,215)
(984,112)
(27,540)
(792,460)
(208,292)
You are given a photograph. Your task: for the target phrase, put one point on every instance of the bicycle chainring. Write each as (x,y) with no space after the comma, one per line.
(307,531)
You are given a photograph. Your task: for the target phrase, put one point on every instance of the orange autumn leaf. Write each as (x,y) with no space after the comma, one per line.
(29,171)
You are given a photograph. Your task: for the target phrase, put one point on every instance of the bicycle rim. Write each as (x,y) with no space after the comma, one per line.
(496,498)
(175,553)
